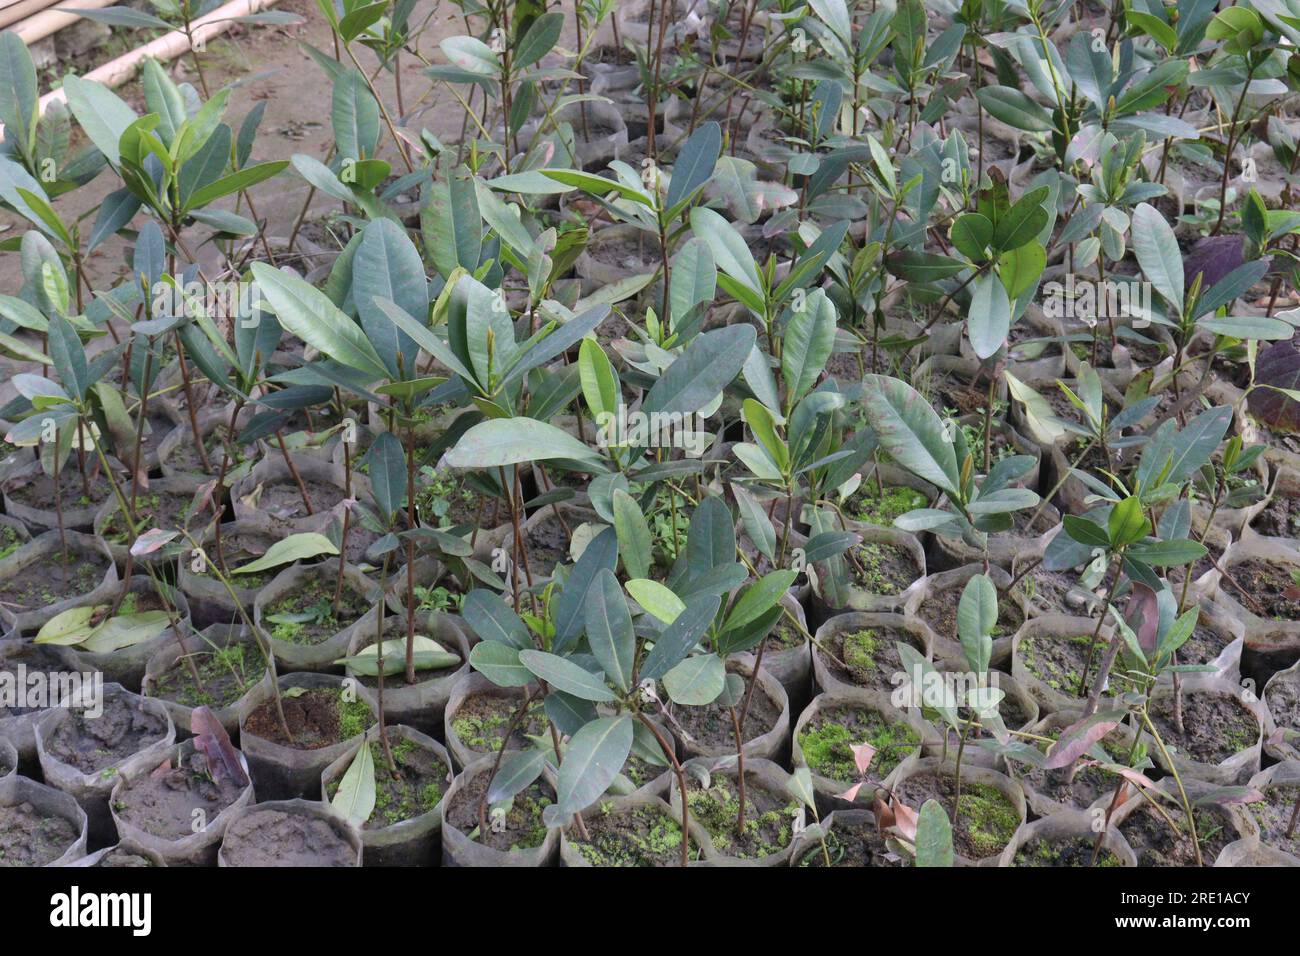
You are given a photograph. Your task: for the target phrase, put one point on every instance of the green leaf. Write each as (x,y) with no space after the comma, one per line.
(500,664)
(680,637)
(426,655)
(730,251)
(355,798)
(609,629)
(1086,532)
(696,681)
(101,113)
(387,462)
(566,676)
(518,770)
(1158,253)
(308,313)
(296,547)
(595,756)
(1015,109)
(910,430)
(600,386)
(933,836)
(760,597)
(1128,523)
(69,627)
(354,116)
(19,94)
(242,179)
(494,620)
(126,630)
(695,162)
(539,40)
(511,441)
(709,364)
(634,541)
(989,319)
(656,599)
(808,343)
(977,615)
(1168,554)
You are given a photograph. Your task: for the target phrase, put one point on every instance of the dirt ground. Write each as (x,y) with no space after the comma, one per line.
(266,63)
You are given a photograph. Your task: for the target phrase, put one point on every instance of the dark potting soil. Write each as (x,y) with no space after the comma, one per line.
(1048,591)
(1074,852)
(785,636)
(118,857)
(645,836)
(35,658)
(184,457)
(1281,519)
(828,738)
(709,730)
(158,509)
(882,568)
(1156,845)
(1273,814)
(939,610)
(29,838)
(317,718)
(38,491)
(164,804)
(51,580)
(91,744)
(1059,661)
(1203,646)
(986,820)
(1010,709)
(523,828)
(1272,585)
(225,674)
(547,544)
(276,838)
(282,499)
(867,657)
(1215,726)
(307,614)
(481,721)
(851,844)
(633,252)
(1283,700)
(769,817)
(417,788)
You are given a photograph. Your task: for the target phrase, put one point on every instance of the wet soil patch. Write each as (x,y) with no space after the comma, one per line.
(523,828)
(644,836)
(164,803)
(415,789)
(29,838)
(275,838)
(92,743)
(317,718)
(769,817)
(1215,726)
(482,719)
(986,820)
(51,580)
(827,741)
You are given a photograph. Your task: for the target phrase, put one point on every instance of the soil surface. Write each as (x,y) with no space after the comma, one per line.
(417,788)
(826,742)
(769,817)
(92,744)
(226,675)
(939,610)
(1272,586)
(275,838)
(1075,852)
(1155,845)
(1280,519)
(708,730)
(1273,814)
(547,544)
(51,580)
(1283,700)
(882,569)
(645,836)
(1215,726)
(987,819)
(1059,660)
(867,657)
(317,718)
(38,491)
(33,657)
(307,614)
(282,499)
(164,804)
(117,857)
(481,721)
(523,828)
(29,838)
(853,844)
